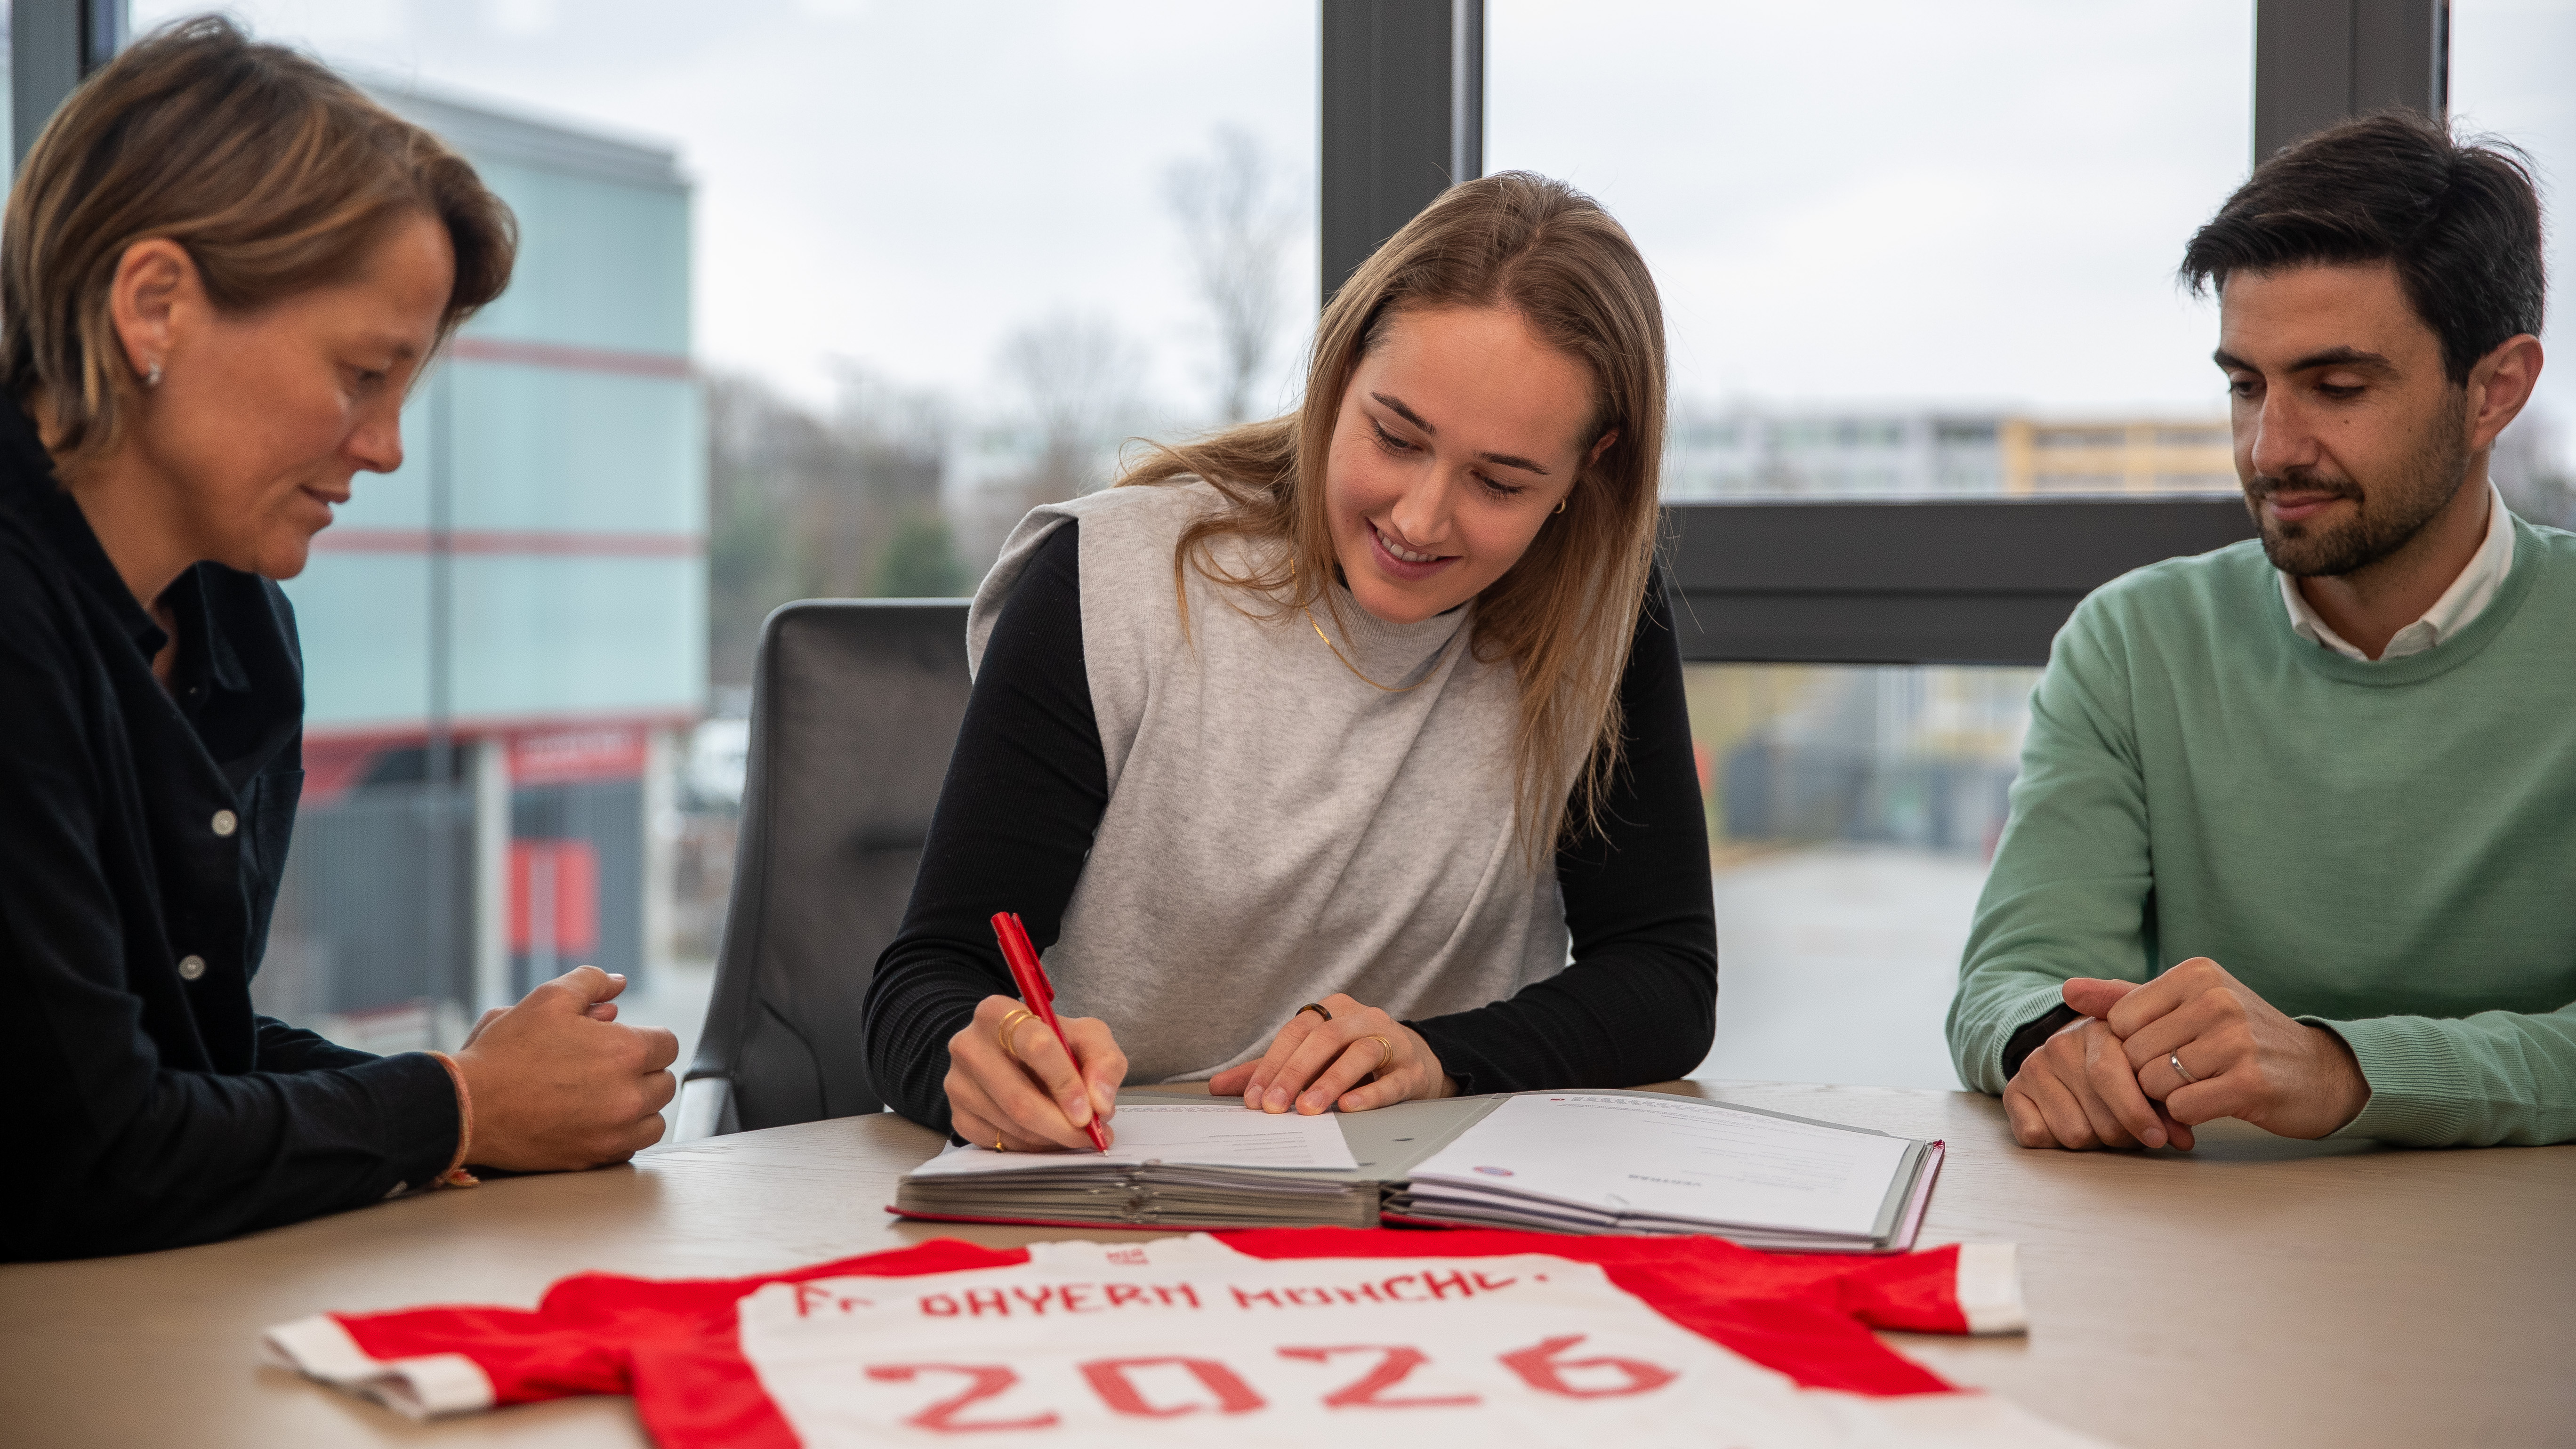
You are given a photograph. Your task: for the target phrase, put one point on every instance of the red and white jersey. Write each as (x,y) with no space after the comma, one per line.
(1263,1337)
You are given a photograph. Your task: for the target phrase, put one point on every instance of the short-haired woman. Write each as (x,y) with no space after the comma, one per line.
(1304,752)
(222,269)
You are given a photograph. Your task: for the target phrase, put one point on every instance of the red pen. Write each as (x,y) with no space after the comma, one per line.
(1038,995)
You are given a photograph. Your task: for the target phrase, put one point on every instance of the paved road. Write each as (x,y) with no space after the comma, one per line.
(1835,964)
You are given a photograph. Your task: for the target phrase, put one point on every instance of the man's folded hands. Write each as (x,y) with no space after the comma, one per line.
(2147,1063)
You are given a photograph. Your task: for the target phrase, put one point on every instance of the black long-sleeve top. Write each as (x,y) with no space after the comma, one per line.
(142,831)
(1027,785)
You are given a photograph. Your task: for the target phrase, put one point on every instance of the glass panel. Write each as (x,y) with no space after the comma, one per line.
(2509,78)
(8,103)
(1905,249)
(813,299)
(1852,812)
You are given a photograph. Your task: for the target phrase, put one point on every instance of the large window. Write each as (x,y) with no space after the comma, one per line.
(1905,249)
(1905,252)
(1851,811)
(815,300)
(902,271)
(2509,78)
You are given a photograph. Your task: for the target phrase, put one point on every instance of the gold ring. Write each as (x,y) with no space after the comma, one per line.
(997,1143)
(1019,1017)
(1316,1007)
(1386,1052)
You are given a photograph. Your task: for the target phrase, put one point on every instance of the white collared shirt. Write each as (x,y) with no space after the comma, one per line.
(2459,606)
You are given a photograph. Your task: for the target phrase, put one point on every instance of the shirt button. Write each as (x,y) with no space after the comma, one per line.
(226,822)
(191,967)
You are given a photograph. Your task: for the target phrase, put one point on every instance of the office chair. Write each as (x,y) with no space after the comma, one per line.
(855,703)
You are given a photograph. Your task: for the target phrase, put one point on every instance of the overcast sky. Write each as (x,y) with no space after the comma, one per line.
(1865,200)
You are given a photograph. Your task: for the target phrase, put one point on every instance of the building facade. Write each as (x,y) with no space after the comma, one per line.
(1751,452)
(503,638)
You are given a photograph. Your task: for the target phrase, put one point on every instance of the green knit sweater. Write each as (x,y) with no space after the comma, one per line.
(2384,849)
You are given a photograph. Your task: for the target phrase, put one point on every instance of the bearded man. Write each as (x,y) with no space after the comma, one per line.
(2295,835)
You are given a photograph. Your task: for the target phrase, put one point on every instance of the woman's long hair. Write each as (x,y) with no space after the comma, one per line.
(1564,614)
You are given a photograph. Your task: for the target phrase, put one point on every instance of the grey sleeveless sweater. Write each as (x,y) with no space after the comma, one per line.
(1273,815)
(1205,829)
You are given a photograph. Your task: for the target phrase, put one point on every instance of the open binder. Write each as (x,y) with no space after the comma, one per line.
(1575,1161)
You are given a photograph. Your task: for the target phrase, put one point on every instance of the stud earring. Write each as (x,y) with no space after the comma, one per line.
(152,376)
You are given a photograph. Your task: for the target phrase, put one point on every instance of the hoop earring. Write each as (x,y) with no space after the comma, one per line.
(1560,503)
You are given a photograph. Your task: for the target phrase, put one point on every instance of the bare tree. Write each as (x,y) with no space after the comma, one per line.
(1236,221)
(1072,387)
(802,506)
(1080,380)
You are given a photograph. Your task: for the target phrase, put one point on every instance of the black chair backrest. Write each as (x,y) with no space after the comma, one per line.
(855,704)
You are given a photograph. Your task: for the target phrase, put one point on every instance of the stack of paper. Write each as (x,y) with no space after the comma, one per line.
(1642,1162)
(1175,1164)
(1580,1162)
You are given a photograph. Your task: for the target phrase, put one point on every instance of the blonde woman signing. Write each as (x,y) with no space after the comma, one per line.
(1307,750)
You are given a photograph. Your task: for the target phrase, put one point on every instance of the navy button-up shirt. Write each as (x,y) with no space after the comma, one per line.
(142,832)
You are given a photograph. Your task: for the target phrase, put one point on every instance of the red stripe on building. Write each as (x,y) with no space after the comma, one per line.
(574,359)
(505,541)
(543,749)
(394,733)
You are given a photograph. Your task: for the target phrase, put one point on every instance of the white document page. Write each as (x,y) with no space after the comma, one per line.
(1675,1157)
(1209,1134)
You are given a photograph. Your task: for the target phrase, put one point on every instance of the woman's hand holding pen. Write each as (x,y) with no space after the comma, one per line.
(1355,1058)
(1021,1092)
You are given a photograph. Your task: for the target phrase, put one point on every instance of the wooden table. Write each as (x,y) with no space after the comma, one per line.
(2256,1292)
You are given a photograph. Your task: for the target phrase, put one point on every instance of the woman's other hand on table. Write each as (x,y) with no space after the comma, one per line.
(1011,1086)
(1359,1058)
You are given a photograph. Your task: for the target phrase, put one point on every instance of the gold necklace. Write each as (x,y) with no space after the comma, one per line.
(1355,669)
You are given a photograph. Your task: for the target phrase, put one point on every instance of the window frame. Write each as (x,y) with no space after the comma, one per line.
(1906,581)
(1896,581)
(52,45)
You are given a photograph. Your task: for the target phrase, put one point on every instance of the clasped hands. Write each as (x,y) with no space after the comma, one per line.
(559,1083)
(1023,1093)
(2108,1080)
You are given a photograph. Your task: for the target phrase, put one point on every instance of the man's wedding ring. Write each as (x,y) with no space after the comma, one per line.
(2174,1060)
